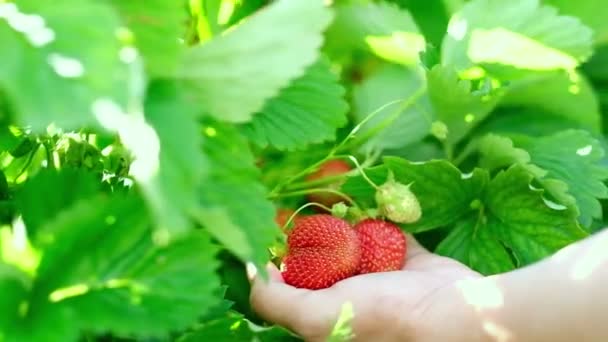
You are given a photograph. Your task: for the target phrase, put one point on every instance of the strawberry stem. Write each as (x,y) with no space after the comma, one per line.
(369,116)
(363,174)
(310,204)
(405,104)
(315,190)
(304,172)
(341,146)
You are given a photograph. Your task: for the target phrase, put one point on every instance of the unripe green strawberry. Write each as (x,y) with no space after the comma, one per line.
(339,210)
(321,250)
(328,169)
(383,246)
(398,203)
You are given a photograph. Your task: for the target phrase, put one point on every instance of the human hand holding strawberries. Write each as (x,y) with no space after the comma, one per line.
(413,303)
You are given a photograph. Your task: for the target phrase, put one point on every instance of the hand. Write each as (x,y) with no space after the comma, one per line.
(418,303)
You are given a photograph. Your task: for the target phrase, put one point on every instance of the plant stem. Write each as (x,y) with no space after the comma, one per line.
(386,122)
(469,149)
(310,204)
(317,190)
(363,174)
(303,173)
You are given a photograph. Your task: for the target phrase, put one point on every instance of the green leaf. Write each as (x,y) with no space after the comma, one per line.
(574,157)
(431,16)
(102,262)
(59,68)
(590,12)
(531,36)
(512,218)
(596,68)
(235,327)
(382,28)
(171,190)
(234,207)
(233,275)
(498,152)
(33,324)
(14,286)
(445,194)
(307,111)
(567,164)
(177,280)
(234,74)
(473,243)
(566,95)
(393,126)
(457,104)
(157,26)
(48,193)
(528,224)
(517,121)
(12,140)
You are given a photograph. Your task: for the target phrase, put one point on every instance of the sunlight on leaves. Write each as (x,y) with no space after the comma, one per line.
(516,50)
(307,111)
(74,60)
(16,249)
(67,292)
(382,28)
(399,47)
(66,66)
(31,25)
(137,135)
(516,33)
(233,74)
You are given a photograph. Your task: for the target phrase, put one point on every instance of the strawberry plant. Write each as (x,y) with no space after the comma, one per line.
(146,148)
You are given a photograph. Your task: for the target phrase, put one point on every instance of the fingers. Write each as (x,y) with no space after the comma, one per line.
(308,313)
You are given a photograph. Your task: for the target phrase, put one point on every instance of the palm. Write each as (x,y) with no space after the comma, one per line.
(414,290)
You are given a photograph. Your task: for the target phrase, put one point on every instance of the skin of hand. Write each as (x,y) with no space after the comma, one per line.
(413,304)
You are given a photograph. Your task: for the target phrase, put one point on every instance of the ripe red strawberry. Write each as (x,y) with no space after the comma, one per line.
(321,250)
(383,246)
(327,169)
